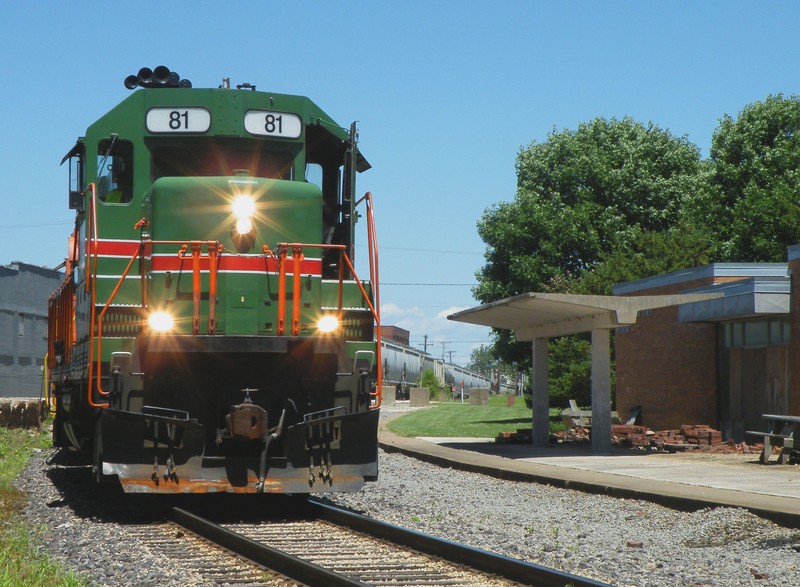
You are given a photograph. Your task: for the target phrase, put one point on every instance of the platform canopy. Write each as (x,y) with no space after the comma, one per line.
(539,316)
(543,315)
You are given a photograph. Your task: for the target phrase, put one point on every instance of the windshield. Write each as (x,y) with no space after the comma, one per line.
(220,159)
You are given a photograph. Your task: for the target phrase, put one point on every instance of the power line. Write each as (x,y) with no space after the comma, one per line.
(35,225)
(388,248)
(434,284)
(458,342)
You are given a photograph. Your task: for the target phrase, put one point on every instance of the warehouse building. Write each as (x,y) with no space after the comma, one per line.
(24,291)
(717,345)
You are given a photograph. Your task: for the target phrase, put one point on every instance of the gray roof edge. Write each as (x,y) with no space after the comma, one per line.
(742,270)
(757,284)
(741,306)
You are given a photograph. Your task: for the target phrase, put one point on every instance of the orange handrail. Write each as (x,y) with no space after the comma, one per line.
(297,257)
(213,248)
(281,292)
(91,276)
(213,259)
(122,277)
(372,240)
(195,289)
(96,331)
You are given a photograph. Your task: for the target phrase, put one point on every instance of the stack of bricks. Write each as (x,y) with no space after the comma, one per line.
(521,436)
(630,435)
(701,435)
(669,438)
(696,437)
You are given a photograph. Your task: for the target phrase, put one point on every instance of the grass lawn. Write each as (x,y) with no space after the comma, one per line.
(457,419)
(21,565)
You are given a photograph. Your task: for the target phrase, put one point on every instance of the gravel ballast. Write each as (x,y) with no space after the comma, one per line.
(620,541)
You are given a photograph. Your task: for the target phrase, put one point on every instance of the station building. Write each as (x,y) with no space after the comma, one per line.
(721,361)
(24,293)
(717,345)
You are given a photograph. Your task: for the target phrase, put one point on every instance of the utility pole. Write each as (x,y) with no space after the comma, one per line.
(422,358)
(451,356)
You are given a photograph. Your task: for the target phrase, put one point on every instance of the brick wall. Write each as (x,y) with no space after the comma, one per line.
(667,367)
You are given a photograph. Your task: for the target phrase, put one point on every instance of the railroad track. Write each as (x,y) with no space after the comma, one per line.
(335,547)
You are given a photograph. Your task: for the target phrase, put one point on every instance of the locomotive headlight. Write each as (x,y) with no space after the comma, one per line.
(243,207)
(242,231)
(328,324)
(161,321)
(243,225)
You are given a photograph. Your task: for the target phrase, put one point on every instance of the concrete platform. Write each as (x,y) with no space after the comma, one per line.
(686,481)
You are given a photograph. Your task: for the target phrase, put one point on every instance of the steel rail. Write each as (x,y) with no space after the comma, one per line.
(474,558)
(293,567)
(312,574)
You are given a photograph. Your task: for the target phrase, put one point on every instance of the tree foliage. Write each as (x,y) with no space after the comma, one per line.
(581,195)
(484,360)
(755,202)
(617,200)
(429,380)
(585,198)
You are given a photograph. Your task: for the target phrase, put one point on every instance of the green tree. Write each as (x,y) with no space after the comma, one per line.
(584,198)
(579,195)
(570,370)
(649,253)
(484,360)
(429,380)
(755,205)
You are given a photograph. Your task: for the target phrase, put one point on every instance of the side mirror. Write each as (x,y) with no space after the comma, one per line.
(75,200)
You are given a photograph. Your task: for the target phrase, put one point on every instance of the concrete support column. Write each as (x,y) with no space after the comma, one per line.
(540,395)
(601,391)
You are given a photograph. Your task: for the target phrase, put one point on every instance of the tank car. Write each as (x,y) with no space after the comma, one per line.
(211,333)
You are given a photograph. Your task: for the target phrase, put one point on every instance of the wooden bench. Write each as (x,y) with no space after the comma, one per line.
(783,431)
(575,417)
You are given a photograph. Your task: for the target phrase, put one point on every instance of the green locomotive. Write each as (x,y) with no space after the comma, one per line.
(211,333)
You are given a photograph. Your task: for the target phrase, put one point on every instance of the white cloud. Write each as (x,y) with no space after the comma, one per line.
(451,310)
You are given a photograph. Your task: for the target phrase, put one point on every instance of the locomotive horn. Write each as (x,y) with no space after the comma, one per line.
(145,76)
(161,75)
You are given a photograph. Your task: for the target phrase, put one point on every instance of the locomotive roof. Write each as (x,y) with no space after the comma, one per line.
(227,105)
(218,98)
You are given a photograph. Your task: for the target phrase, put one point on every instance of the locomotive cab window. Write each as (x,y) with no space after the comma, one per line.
(115,171)
(217,159)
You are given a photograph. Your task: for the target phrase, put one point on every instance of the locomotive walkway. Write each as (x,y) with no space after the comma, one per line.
(685,481)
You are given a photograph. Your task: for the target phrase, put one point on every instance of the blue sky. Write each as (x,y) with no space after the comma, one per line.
(446,93)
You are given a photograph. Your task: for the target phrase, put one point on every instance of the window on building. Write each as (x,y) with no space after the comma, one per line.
(756,333)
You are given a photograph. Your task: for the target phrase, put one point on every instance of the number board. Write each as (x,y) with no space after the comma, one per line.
(273,124)
(178,120)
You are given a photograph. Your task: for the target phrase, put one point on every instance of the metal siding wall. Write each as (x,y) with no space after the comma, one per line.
(24,292)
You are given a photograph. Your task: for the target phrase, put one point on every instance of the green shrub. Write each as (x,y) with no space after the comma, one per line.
(435,388)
